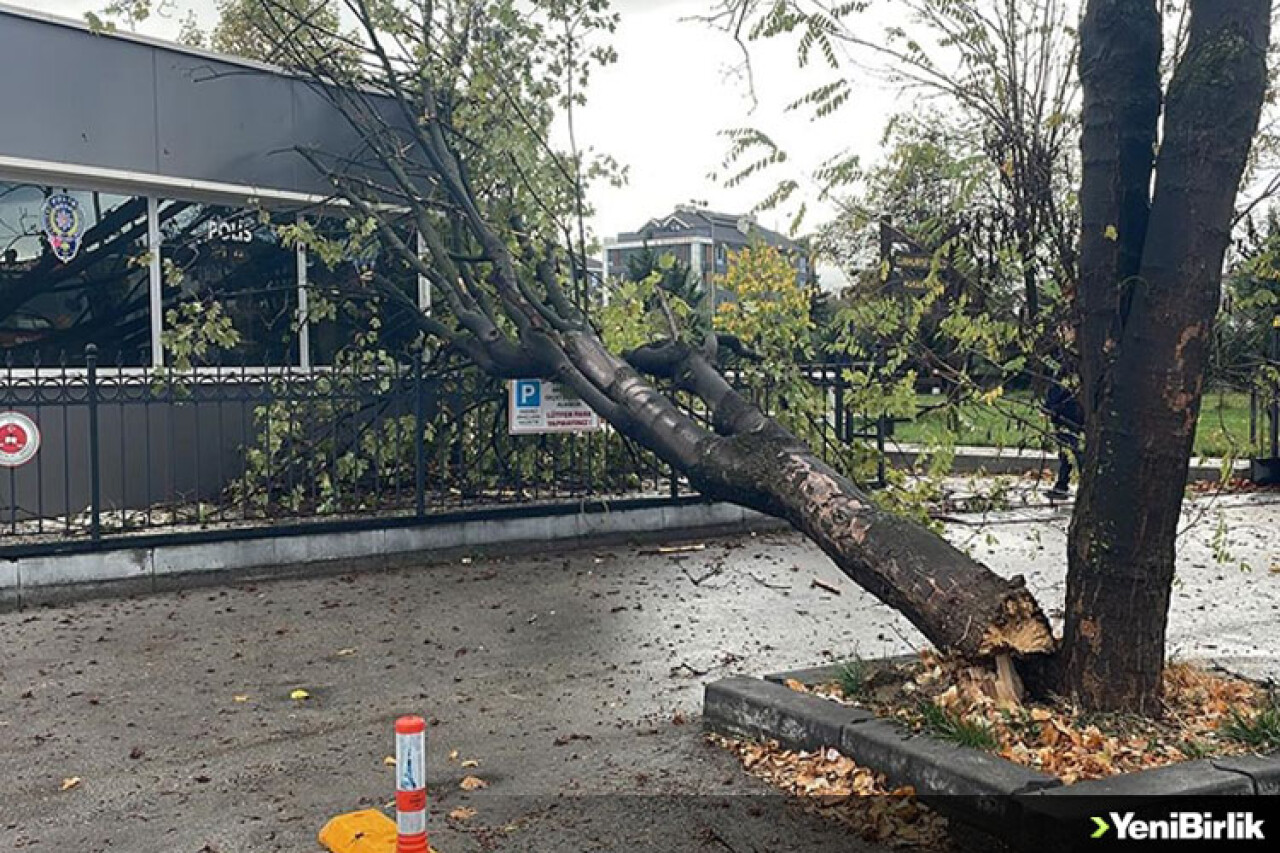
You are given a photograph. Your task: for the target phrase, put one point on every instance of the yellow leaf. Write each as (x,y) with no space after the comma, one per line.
(240,697)
(453,755)
(346,653)
(299,694)
(70,782)
(390,761)
(797,686)
(473,783)
(1111,233)
(471,762)
(462,813)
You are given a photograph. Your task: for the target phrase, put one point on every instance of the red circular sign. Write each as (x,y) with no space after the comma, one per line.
(19,439)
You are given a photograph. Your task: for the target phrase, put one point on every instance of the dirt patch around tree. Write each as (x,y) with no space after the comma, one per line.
(1207,713)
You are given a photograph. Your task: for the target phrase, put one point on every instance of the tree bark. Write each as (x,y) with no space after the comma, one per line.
(1145,329)
(956,602)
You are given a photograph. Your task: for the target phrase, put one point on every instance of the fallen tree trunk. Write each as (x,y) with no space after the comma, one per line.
(956,602)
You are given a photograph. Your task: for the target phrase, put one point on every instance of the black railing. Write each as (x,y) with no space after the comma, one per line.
(225,451)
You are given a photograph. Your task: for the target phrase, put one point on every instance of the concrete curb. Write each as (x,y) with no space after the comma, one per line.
(976,788)
(749,707)
(1010,460)
(28,581)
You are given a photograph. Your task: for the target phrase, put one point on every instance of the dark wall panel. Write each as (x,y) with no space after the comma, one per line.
(70,96)
(222,123)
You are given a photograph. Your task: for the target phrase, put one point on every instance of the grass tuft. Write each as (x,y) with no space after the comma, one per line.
(1260,732)
(951,727)
(852,677)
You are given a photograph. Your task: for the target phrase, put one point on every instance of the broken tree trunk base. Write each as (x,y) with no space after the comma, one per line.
(957,603)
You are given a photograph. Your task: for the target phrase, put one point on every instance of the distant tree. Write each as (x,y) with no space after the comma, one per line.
(674,275)
(253,28)
(1251,300)
(190,34)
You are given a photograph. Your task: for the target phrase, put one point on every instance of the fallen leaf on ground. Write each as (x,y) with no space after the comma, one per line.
(240,697)
(835,786)
(462,813)
(1054,737)
(473,783)
(471,762)
(390,761)
(346,653)
(70,782)
(453,755)
(299,694)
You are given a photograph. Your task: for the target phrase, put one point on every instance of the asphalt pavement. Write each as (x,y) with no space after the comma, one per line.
(569,683)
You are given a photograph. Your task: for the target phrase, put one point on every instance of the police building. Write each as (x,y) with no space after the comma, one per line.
(139,178)
(142,185)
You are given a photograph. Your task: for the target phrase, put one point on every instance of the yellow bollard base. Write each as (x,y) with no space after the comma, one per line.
(369,831)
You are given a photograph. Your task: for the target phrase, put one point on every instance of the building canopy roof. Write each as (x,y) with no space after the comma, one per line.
(117,110)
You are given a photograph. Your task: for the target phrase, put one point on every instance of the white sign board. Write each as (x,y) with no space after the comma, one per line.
(537,407)
(19,439)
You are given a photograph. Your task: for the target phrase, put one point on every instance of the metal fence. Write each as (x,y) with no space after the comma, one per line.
(233,451)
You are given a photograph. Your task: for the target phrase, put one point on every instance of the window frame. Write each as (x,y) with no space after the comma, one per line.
(155,245)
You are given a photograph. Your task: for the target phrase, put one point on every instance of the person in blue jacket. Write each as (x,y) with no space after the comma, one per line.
(1067,417)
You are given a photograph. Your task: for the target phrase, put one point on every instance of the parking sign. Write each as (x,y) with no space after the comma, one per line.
(537,407)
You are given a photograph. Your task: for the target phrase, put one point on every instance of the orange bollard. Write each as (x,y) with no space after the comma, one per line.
(411,785)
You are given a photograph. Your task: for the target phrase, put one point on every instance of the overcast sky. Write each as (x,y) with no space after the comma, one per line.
(661,108)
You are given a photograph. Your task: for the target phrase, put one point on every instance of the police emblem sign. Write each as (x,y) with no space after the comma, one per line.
(63,226)
(19,439)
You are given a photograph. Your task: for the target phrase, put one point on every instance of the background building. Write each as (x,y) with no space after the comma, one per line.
(702,241)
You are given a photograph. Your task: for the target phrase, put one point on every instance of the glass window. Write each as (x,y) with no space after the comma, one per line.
(343,296)
(230,264)
(73,271)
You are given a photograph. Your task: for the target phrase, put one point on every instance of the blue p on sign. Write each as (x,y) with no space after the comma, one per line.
(528,393)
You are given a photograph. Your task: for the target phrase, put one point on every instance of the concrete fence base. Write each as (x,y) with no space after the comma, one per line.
(47,579)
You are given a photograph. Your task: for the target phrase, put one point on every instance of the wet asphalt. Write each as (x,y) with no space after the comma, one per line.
(572,679)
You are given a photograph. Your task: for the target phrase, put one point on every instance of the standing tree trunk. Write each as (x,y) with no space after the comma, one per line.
(1151,266)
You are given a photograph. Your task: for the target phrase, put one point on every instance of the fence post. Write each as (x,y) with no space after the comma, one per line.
(95,455)
(882,427)
(1275,387)
(419,441)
